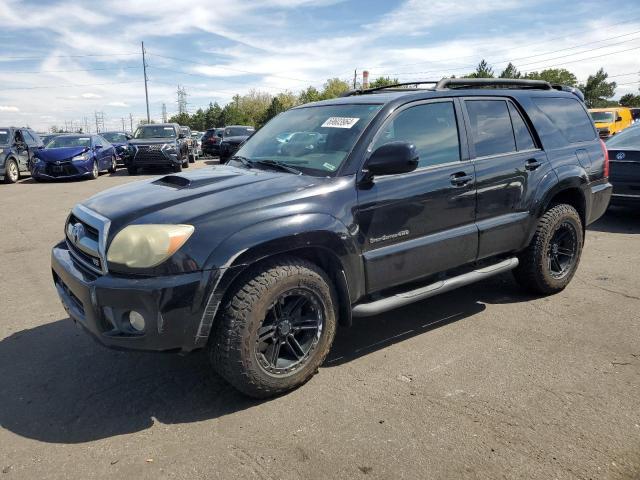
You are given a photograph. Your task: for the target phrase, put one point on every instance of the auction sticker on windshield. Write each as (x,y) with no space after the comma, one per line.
(340,122)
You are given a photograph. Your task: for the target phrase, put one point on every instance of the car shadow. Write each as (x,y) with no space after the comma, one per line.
(618,220)
(58,386)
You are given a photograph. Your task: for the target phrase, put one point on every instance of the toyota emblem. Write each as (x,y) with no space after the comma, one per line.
(620,156)
(77,232)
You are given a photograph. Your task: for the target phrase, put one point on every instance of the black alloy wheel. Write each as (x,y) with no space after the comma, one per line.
(290,331)
(561,254)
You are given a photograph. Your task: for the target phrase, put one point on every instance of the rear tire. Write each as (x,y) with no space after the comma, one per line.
(12,171)
(550,261)
(192,158)
(282,310)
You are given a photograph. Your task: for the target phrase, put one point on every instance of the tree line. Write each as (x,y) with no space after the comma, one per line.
(256,107)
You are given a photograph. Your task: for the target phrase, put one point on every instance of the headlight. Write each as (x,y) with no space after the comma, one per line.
(81,158)
(146,246)
(169,148)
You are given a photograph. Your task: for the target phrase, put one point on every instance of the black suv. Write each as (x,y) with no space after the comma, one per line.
(158,145)
(211,141)
(232,137)
(410,193)
(17,149)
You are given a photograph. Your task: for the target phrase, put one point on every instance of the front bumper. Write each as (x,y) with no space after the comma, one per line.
(65,170)
(151,156)
(173,306)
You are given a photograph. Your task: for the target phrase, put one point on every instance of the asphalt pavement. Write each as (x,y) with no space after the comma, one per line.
(485,382)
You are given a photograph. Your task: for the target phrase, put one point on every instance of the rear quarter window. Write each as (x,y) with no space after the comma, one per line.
(568,116)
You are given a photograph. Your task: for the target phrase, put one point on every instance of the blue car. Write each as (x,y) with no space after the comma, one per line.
(74,156)
(120,141)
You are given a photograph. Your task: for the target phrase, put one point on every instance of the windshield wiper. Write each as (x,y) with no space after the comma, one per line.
(282,166)
(243,160)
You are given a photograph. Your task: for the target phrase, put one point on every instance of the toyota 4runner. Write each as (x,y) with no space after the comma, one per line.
(411,192)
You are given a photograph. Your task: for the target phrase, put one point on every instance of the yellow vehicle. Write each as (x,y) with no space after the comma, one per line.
(611,120)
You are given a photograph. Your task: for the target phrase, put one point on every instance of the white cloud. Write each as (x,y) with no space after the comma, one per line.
(90,95)
(8,108)
(117,104)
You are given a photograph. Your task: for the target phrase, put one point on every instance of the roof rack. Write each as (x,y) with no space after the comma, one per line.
(447,83)
(364,91)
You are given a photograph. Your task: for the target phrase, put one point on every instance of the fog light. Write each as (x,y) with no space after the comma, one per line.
(136,320)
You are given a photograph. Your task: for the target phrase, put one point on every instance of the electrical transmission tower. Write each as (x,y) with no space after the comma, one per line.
(164,113)
(182,100)
(99,121)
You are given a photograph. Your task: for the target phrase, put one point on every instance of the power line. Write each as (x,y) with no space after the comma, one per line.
(66,56)
(266,74)
(68,85)
(538,67)
(74,70)
(540,43)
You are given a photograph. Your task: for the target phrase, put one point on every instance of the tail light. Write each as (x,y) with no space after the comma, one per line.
(605,152)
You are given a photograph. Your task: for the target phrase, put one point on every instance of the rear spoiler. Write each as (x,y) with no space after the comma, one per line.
(566,88)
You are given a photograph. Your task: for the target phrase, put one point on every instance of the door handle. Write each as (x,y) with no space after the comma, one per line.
(532,164)
(460,179)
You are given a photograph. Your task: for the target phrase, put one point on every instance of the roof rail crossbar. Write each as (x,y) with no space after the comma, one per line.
(364,91)
(446,83)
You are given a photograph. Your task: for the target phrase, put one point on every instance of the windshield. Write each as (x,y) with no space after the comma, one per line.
(629,138)
(238,131)
(604,117)
(315,140)
(63,141)
(197,135)
(115,137)
(155,131)
(5,137)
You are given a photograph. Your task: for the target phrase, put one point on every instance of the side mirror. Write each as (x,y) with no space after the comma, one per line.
(181,135)
(97,147)
(393,158)
(618,118)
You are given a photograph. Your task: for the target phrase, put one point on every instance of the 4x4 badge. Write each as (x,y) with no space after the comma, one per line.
(620,156)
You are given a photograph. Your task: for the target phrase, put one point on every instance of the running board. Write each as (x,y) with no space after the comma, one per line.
(405,298)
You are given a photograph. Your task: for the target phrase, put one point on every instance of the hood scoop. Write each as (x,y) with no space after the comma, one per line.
(179,182)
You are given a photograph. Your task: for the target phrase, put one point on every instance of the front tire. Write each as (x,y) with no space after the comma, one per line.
(95,171)
(550,261)
(275,328)
(12,171)
(114,165)
(177,167)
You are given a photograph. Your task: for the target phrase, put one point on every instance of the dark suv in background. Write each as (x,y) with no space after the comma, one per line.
(211,141)
(158,145)
(412,192)
(17,150)
(232,137)
(120,142)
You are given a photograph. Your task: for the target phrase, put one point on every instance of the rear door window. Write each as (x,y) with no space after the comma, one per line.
(490,127)
(568,116)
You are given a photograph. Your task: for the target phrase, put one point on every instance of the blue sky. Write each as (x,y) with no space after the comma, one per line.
(62,61)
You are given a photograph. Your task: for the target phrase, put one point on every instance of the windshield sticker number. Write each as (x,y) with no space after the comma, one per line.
(340,122)
(83,139)
(168,128)
(3,132)
(329,166)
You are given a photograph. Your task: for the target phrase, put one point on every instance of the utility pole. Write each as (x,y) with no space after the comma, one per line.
(164,113)
(355,78)
(131,122)
(86,126)
(146,91)
(123,124)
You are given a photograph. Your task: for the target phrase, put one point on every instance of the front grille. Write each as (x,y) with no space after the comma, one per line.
(63,170)
(150,155)
(85,234)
